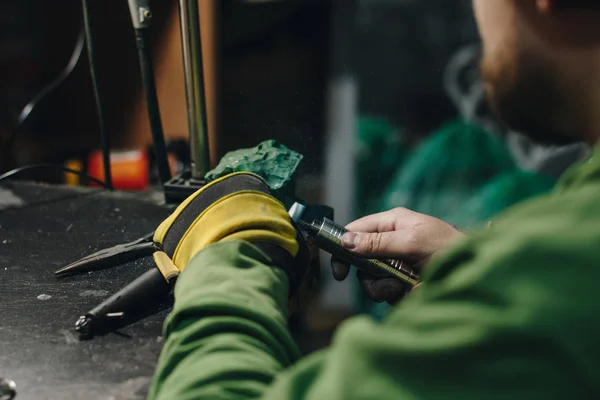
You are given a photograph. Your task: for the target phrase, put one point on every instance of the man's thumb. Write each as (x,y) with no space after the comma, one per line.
(378,244)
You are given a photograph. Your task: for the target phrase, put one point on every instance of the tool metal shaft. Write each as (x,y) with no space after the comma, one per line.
(328,236)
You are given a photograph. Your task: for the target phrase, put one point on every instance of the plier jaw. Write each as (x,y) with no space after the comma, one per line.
(112,256)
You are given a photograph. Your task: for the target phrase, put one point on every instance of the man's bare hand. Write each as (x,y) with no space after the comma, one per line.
(396,234)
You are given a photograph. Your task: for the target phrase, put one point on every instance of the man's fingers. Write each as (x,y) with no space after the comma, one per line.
(339,269)
(378,244)
(380,222)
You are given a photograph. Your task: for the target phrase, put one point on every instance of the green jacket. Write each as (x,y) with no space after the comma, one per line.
(512,312)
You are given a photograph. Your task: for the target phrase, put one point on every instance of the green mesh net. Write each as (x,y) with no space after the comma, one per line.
(380,151)
(446,169)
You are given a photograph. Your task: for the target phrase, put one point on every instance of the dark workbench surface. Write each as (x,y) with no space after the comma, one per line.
(42,228)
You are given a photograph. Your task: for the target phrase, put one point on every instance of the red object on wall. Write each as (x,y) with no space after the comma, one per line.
(129,168)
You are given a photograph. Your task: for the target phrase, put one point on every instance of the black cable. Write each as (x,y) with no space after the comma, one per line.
(145,56)
(99,107)
(59,80)
(26,111)
(17,171)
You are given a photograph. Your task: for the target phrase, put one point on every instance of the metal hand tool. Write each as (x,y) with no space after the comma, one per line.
(113,256)
(327,235)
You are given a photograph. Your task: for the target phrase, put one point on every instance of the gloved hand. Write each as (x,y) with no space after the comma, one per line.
(396,234)
(238,206)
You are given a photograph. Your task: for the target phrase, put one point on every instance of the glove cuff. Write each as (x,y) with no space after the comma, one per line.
(236,207)
(284,260)
(247,215)
(172,229)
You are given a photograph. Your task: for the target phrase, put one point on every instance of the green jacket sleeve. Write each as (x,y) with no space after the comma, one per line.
(509,313)
(227,335)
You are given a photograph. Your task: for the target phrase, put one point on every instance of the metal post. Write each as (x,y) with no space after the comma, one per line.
(194,87)
(342,109)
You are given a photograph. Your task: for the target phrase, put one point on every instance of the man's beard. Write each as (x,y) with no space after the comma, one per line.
(525,94)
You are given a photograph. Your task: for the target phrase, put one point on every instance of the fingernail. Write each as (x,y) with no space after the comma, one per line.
(350,240)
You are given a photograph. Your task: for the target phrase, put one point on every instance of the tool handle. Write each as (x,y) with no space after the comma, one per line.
(148,286)
(328,237)
(372,266)
(127,303)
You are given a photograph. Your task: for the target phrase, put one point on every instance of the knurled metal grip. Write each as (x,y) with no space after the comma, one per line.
(328,236)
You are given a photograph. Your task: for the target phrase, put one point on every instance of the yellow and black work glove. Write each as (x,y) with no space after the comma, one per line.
(238,206)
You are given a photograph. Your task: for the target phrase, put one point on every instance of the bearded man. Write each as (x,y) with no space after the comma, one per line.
(511,312)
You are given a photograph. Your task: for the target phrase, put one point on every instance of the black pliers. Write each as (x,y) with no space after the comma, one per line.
(130,300)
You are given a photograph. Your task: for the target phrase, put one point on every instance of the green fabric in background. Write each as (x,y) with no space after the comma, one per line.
(446,169)
(380,152)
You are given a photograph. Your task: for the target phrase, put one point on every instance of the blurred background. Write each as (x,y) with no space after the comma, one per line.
(382,97)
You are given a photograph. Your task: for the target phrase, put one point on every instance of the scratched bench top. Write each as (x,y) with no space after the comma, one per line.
(42,228)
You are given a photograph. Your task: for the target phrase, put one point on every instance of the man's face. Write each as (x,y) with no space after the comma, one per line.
(522,82)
